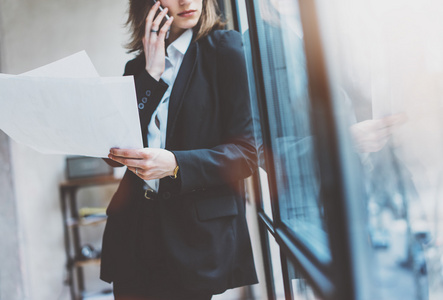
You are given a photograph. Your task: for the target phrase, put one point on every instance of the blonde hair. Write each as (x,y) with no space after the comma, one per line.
(138,10)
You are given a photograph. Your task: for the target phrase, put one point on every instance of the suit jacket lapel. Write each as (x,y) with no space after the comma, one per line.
(180,86)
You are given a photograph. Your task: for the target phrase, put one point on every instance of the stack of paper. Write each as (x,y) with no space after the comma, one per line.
(66,108)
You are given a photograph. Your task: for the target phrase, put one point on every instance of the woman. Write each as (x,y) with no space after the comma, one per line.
(176,226)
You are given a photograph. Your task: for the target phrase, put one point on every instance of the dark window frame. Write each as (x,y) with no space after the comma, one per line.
(336,280)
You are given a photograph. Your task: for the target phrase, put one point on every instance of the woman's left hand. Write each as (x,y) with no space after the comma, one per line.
(146,163)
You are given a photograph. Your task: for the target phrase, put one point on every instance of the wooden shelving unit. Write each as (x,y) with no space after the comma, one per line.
(72,221)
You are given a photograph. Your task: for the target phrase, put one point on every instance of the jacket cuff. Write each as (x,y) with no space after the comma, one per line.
(186,182)
(147,87)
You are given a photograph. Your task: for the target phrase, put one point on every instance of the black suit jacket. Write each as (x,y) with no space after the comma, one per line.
(210,131)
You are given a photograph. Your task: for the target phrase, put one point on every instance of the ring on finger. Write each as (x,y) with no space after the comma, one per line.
(152,30)
(136,171)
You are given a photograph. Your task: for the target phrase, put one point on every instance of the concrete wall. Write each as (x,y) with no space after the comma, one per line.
(11,262)
(11,274)
(34,33)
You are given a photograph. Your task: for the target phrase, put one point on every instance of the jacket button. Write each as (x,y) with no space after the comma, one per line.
(166,195)
(141,106)
(148,93)
(144,100)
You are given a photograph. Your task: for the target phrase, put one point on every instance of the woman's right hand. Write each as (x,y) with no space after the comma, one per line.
(154,41)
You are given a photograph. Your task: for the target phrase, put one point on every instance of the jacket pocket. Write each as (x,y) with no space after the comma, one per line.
(217,207)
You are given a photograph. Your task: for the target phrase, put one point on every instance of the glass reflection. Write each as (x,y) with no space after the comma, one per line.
(287,96)
(386,72)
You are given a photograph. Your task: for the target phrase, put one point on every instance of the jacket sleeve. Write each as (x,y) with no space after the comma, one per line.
(236,157)
(145,84)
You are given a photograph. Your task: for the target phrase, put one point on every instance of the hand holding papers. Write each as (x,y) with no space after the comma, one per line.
(65,108)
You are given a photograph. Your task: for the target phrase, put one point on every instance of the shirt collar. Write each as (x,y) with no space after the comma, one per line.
(181,44)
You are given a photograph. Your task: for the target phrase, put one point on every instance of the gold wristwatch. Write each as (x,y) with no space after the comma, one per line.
(174,176)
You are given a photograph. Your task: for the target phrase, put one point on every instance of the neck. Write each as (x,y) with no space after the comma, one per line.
(174,34)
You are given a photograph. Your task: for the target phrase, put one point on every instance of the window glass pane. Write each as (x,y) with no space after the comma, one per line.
(386,71)
(277,274)
(289,112)
(266,196)
(301,290)
(244,29)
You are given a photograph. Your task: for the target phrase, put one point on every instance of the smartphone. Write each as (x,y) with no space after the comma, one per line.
(163,21)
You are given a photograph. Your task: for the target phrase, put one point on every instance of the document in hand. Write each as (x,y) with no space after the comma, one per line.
(65,108)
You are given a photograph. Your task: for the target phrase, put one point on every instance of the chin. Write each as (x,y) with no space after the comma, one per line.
(188,25)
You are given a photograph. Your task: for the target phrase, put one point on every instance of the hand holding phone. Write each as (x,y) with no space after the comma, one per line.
(166,17)
(154,40)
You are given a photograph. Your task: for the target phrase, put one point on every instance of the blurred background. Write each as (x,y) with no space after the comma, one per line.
(347,103)
(34,33)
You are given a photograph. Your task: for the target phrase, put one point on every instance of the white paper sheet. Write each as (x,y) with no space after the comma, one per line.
(76,65)
(70,110)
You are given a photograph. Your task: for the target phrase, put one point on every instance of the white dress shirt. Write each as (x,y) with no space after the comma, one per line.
(159,120)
